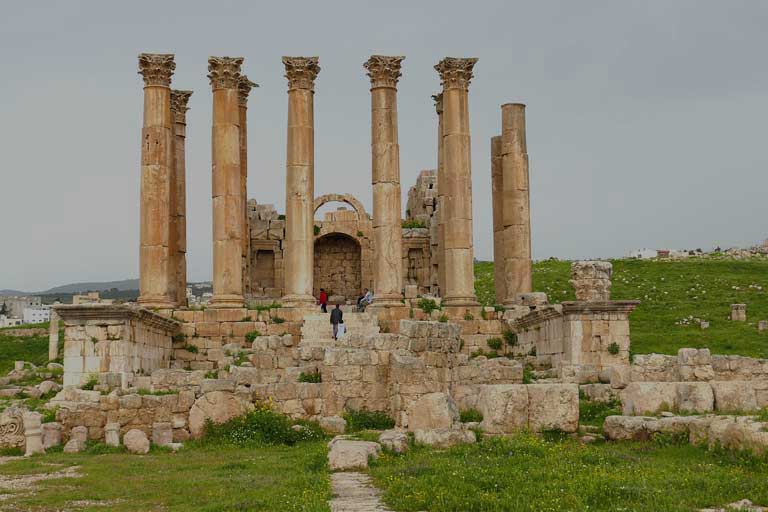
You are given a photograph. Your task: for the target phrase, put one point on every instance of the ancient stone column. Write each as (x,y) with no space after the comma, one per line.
(179,100)
(497,201)
(456,216)
(516,208)
(384,73)
(228,217)
(157,276)
(441,189)
(300,181)
(244,89)
(53,336)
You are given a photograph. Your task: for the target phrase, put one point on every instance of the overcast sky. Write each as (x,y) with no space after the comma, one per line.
(646,120)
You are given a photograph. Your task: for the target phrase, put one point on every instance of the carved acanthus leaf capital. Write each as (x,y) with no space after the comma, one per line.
(179,100)
(438,99)
(384,71)
(455,72)
(224,72)
(156,68)
(244,89)
(301,72)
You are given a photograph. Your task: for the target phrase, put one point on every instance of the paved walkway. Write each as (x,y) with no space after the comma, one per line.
(354,492)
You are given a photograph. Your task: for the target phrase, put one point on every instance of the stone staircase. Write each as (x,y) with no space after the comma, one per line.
(316,329)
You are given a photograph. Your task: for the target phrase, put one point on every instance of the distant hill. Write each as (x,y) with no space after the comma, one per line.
(126,284)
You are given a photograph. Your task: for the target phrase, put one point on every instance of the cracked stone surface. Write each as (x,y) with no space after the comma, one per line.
(354,492)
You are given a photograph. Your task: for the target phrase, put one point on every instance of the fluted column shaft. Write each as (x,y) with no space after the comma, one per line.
(300,185)
(157,276)
(244,89)
(384,73)
(179,100)
(497,201)
(457,206)
(227,194)
(442,187)
(516,204)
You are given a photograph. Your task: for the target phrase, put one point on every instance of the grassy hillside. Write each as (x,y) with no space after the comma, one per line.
(33,349)
(674,294)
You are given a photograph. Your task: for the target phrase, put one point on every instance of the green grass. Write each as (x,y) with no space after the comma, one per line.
(671,292)
(33,349)
(42,325)
(526,473)
(206,479)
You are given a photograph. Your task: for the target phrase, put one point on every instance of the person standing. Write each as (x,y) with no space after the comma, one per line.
(323,300)
(337,317)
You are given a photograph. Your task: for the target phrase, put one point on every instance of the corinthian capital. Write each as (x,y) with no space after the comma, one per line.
(383,71)
(179,100)
(455,72)
(438,99)
(224,72)
(156,68)
(301,72)
(244,87)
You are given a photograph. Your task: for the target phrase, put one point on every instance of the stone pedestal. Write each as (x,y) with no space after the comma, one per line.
(592,280)
(157,277)
(739,312)
(497,202)
(516,210)
(179,100)
(228,210)
(244,89)
(300,187)
(384,73)
(456,214)
(33,434)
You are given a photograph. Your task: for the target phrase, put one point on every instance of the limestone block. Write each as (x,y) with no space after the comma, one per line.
(345,454)
(739,312)
(74,446)
(51,434)
(444,437)
(640,398)
(504,408)
(112,434)
(433,411)
(394,440)
(553,406)
(626,428)
(620,376)
(209,385)
(79,433)
(333,424)
(695,397)
(136,441)
(694,356)
(217,406)
(734,396)
(162,433)
(33,433)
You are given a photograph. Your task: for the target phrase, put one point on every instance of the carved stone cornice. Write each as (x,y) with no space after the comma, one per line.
(179,100)
(224,72)
(301,72)
(156,68)
(383,71)
(438,99)
(244,87)
(455,72)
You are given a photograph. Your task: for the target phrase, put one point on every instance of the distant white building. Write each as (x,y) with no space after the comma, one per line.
(16,305)
(9,322)
(37,315)
(643,254)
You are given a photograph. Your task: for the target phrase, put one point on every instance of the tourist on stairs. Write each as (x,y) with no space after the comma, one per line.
(323,300)
(337,317)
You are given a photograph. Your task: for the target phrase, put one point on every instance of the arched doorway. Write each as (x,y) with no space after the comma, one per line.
(338,265)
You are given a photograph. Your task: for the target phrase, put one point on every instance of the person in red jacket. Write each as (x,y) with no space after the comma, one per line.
(323,300)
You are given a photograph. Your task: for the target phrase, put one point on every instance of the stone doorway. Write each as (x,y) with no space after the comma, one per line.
(338,266)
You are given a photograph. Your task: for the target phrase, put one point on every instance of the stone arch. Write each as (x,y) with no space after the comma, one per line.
(338,265)
(342,198)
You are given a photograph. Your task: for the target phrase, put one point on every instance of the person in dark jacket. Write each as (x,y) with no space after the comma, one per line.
(337,317)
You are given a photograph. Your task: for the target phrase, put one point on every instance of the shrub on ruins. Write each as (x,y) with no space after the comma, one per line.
(443,318)
(471,416)
(494,343)
(468,316)
(428,305)
(364,419)
(413,223)
(251,336)
(510,337)
(613,348)
(277,320)
(312,377)
(91,383)
(179,338)
(262,426)
(191,348)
